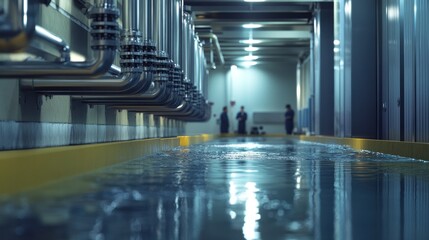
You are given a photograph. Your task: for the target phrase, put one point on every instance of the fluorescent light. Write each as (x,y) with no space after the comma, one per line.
(252,25)
(250,58)
(251,49)
(250,41)
(254,0)
(249,64)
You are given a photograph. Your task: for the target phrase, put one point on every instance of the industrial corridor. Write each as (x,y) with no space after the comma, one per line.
(214,119)
(233,188)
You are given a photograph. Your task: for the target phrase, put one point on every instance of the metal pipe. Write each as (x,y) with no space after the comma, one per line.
(214,38)
(178,32)
(96,67)
(104,46)
(17,24)
(130,15)
(59,43)
(156,93)
(134,79)
(146,20)
(127,83)
(184,46)
(160,24)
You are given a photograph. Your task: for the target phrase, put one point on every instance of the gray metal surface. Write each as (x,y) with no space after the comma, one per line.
(409,71)
(422,71)
(392,68)
(23,135)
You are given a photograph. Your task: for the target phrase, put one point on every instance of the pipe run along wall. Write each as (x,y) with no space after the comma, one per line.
(63,109)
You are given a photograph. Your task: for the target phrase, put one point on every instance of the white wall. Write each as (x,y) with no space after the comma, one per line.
(259,88)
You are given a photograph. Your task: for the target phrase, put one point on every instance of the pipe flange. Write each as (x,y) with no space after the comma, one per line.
(97,12)
(104,28)
(149,54)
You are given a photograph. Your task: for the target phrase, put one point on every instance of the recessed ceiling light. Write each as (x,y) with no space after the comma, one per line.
(249,64)
(252,25)
(254,0)
(251,49)
(250,58)
(250,41)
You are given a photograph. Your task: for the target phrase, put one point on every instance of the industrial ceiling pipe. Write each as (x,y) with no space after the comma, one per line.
(17,24)
(215,41)
(134,76)
(104,44)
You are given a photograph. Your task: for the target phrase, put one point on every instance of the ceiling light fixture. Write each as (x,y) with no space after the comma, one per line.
(250,57)
(250,41)
(251,49)
(249,64)
(252,25)
(254,0)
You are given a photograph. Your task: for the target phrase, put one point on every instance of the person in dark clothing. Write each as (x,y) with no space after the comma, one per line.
(224,122)
(241,117)
(289,115)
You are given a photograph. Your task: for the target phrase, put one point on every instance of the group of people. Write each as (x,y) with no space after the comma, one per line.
(242,117)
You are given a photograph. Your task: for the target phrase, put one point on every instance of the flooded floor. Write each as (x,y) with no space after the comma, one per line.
(241,188)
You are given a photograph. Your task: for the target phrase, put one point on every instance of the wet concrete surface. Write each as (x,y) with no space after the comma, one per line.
(236,188)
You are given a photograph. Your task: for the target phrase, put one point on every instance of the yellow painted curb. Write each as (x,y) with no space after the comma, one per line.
(405,149)
(22,170)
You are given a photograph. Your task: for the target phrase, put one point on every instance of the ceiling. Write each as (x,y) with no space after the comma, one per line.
(285,33)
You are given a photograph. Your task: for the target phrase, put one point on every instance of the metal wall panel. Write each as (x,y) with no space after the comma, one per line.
(422,71)
(391,64)
(304,94)
(23,135)
(324,70)
(409,71)
(355,68)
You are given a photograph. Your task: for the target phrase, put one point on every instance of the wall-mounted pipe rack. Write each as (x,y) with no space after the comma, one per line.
(162,64)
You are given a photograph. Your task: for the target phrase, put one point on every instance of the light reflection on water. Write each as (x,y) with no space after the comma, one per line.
(233,189)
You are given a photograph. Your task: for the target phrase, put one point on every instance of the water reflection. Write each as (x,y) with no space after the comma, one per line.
(246,189)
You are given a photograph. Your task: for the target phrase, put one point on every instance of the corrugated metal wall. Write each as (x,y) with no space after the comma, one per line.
(422,70)
(405,74)
(391,69)
(401,97)
(409,72)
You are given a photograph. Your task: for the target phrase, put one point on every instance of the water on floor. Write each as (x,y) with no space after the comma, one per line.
(243,188)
